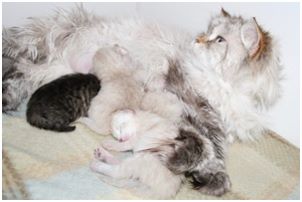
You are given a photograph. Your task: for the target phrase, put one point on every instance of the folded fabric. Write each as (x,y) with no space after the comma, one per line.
(40,164)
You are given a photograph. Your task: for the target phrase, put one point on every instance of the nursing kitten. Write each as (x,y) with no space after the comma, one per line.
(57,104)
(141,132)
(114,67)
(141,120)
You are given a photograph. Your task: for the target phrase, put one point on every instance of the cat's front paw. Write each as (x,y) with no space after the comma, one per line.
(215,184)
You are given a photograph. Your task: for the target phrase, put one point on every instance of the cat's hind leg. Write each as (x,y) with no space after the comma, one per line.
(146,168)
(114,145)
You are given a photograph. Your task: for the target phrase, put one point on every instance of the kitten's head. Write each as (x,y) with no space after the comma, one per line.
(113,56)
(123,125)
(242,52)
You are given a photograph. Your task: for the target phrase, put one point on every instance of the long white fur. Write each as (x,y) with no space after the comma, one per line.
(241,97)
(79,32)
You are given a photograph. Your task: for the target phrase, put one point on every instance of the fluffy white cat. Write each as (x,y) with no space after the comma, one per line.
(226,78)
(234,64)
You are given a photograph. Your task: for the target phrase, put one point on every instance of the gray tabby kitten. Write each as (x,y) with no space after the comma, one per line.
(57,104)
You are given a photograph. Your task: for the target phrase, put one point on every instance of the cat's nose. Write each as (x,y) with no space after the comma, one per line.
(201,39)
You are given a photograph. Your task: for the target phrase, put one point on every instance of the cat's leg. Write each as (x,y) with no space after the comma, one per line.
(146,168)
(114,145)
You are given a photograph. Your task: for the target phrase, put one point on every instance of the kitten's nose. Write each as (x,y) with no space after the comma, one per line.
(201,39)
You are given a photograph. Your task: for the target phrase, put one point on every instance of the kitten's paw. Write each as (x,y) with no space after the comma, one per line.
(99,154)
(215,184)
(103,155)
(94,165)
(123,125)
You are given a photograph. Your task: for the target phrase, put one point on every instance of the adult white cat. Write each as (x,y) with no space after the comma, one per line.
(231,71)
(234,64)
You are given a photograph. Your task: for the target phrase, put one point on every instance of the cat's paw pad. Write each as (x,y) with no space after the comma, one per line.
(215,184)
(101,154)
(123,125)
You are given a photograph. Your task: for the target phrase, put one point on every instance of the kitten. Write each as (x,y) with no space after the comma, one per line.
(119,91)
(140,119)
(57,104)
(141,132)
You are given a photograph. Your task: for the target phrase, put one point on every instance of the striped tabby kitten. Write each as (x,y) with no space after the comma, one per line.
(57,104)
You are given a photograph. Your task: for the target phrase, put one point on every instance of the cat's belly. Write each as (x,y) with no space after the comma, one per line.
(82,62)
(144,44)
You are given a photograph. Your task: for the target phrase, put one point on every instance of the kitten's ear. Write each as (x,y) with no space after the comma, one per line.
(252,37)
(224,13)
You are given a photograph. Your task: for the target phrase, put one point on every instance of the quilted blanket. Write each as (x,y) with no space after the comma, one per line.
(40,164)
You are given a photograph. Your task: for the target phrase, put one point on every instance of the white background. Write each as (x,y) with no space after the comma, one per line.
(281,19)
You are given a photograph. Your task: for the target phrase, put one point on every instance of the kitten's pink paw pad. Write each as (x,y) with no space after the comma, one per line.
(101,154)
(97,153)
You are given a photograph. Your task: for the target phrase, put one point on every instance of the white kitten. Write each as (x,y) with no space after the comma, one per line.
(141,132)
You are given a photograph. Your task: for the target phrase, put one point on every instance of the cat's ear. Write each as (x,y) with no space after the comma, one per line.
(252,37)
(224,13)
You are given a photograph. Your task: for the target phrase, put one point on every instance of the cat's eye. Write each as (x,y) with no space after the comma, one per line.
(219,39)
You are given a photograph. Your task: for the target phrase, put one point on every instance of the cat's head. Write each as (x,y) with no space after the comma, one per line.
(243,53)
